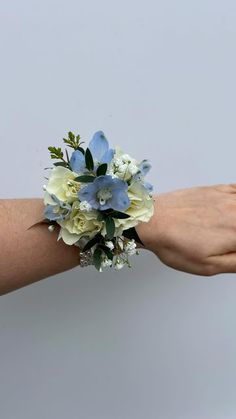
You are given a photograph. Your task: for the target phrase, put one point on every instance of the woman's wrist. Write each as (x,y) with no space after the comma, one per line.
(150,232)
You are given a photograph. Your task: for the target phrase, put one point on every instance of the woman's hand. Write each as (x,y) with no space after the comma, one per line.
(194,229)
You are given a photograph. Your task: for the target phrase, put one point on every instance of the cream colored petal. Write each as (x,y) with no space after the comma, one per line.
(69,238)
(48,199)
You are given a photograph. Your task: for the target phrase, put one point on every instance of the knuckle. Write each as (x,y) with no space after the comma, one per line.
(209,270)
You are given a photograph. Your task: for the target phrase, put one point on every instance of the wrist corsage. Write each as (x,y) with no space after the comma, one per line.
(97,195)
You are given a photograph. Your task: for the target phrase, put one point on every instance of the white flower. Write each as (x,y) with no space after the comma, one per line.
(79,224)
(133,168)
(62,184)
(106,262)
(85,206)
(109,244)
(123,165)
(130,247)
(119,264)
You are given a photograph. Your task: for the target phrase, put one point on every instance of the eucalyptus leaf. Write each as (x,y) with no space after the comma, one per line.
(89,159)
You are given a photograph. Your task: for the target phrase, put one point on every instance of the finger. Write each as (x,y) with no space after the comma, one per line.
(223,263)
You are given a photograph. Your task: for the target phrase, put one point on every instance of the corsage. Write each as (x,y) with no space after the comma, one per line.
(97,195)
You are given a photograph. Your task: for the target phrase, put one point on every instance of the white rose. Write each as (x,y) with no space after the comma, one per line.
(79,224)
(62,184)
(141,208)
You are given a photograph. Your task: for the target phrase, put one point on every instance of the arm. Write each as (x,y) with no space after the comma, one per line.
(192,230)
(26,256)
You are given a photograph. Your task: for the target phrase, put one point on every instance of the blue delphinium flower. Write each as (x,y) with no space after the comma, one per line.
(106,192)
(144,168)
(99,148)
(58,211)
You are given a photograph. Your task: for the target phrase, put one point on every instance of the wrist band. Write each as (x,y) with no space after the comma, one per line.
(97,196)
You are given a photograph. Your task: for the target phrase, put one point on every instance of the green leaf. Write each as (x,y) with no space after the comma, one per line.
(107,251)
(102,169)
(85,179)
(110,227)
(92,242)
(71,136)
(118,214)
(101,216)
(131,233)
(97,258)
(89,159)
(80,149)
(56,152)
(61,163)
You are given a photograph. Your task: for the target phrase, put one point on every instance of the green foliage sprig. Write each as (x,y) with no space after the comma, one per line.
(73,141)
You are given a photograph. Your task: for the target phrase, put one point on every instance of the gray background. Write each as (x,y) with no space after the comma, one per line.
(159,78)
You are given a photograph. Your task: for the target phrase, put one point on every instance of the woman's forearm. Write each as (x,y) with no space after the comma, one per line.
(26,256)
(29,255)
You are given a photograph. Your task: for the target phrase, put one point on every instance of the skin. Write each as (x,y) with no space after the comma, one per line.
(192,230)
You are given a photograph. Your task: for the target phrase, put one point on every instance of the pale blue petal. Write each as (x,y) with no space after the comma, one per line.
(98,145)
(108,156)
(148,186)
(103,181)
(119,184)
(87,193)
(144,167)
(50,215)
(120,200)
(77,161)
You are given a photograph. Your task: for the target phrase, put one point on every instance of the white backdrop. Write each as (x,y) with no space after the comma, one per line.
(158,77)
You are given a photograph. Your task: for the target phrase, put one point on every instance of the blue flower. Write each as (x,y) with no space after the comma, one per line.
(58,211)
(99,148)
(144,168)
(106,192)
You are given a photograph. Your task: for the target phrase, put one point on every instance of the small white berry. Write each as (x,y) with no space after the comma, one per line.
(51,228)
(109,244)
